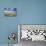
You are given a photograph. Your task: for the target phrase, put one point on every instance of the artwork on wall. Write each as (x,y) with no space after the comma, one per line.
(10,11)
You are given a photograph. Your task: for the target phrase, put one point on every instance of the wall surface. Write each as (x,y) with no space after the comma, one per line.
(28,12)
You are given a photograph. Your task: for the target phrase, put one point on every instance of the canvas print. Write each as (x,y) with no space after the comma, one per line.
(10,11)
